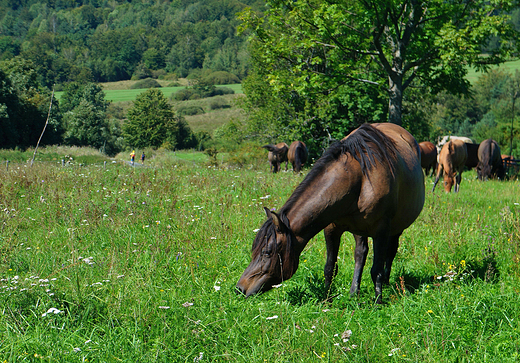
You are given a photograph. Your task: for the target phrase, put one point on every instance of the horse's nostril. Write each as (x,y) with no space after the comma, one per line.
(239,290)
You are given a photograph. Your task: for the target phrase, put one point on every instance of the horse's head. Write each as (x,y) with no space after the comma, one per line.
(449,180)
(273,256)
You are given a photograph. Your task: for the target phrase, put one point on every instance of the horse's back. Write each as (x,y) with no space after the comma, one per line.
(472,159)
(490,159)
(428,154)
(489,151)
(396,192)
(297,155)
(453,154)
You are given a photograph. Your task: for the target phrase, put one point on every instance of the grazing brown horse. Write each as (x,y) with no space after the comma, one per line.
(370,184)
(297,155)
(472,160)
(452,160)
(490,163)
(428,157)
(277,155)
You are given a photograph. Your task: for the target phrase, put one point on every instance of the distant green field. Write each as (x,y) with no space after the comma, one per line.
(130,94)
(511,67)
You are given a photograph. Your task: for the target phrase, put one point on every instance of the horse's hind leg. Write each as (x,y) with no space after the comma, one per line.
(378,267)
(332,239)
(393,245)
(360,257)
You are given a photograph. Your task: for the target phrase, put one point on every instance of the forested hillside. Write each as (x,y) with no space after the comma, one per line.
(112,40)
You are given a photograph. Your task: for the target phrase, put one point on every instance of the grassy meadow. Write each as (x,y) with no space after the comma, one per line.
(510,66)
(139,264)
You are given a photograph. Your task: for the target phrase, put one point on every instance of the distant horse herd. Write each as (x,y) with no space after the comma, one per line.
(370,184)
(296,154)
(453,154)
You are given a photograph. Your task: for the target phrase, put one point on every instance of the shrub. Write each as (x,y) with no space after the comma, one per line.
(198,92)
(159,74)
(219,103)
(220,91)
(221,77)
(248,155)
(141,72)
(146,83)
(190,110)
(182,95)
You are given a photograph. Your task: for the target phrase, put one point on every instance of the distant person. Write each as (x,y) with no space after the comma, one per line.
(142,157)
(132,157)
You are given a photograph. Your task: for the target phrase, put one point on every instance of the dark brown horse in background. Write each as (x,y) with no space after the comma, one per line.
(277,155)
(428,157)
(472,160)
(297,155)
(452,160)
(490,163)
(370,184)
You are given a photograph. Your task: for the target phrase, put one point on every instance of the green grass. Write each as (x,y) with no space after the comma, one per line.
(142,264)
(125,95)
(510,67)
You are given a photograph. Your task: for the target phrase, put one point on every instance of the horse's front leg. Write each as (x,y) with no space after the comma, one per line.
(458,179)
(440,169)
(332,238)
(360,257)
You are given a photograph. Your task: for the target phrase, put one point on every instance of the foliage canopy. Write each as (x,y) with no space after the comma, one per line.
(314,54)
(152,123)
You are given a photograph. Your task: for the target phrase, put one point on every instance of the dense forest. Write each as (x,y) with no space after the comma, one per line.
(296,88)
(112,40)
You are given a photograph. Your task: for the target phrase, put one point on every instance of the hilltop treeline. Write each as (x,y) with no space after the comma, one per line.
(112,40)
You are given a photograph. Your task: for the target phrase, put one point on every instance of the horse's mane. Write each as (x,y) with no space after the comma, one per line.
(365,145)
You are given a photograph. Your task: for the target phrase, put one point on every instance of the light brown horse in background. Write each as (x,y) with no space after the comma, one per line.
(452,160)
(428,157)
(277,155)
(297,155)
(370,184)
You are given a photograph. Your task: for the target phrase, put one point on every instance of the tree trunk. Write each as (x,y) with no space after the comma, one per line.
(395,102)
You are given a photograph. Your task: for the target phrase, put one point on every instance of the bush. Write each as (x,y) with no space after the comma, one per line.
(219,103)
(141,72)
(248,155)
(221,77)
(159,74)
(198,92)
(220,91)
(190,110)
(183,94)
(146,83)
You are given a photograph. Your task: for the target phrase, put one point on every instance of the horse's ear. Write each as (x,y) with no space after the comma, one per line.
(280,227)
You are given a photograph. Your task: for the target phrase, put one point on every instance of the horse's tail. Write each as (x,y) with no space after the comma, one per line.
(300,157)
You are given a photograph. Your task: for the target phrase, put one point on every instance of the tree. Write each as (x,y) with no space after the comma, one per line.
(85,116)
(151,121)
(9,105)
(26,106)
(315,46)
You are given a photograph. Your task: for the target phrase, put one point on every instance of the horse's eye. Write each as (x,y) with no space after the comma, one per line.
(267,252)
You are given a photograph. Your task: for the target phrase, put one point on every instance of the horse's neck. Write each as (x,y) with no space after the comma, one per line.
(321,202)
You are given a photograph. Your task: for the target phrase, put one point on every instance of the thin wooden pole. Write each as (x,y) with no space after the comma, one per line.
(44,127)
